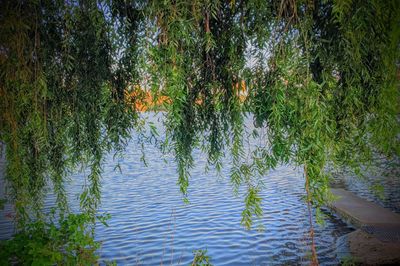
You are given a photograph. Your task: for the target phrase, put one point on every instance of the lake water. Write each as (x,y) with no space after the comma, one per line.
(151,225)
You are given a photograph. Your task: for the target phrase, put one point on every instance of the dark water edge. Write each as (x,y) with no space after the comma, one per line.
(151,225)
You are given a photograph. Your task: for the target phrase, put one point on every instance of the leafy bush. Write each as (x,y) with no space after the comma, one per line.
(68,241)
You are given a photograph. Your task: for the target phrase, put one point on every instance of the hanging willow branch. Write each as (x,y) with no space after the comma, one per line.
(320,79)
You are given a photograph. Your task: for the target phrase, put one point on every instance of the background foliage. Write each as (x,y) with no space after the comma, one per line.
(320,77)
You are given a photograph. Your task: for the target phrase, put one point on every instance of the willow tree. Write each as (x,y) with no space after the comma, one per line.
(320,76)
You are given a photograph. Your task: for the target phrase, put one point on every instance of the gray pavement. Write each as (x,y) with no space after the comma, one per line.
(367,216)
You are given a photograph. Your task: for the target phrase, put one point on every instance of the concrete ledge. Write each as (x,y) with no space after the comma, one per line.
(363,213)
(377,241)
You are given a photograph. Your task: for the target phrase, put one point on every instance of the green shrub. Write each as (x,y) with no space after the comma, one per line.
(68,241)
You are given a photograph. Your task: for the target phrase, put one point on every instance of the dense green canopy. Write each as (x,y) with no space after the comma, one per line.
(320,77)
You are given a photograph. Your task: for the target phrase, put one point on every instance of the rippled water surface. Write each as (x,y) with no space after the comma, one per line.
(151,225)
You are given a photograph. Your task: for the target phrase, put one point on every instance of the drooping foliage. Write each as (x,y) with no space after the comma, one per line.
(62,97)
(320,77)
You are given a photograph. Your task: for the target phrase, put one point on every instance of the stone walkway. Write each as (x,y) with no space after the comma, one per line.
(377,240)
(363,213)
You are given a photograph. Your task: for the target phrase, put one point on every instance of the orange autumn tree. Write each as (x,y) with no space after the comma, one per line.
(143,100)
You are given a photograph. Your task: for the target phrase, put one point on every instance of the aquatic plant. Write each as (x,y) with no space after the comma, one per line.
(321,80)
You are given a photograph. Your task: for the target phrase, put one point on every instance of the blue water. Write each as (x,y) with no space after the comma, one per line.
(151,225)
